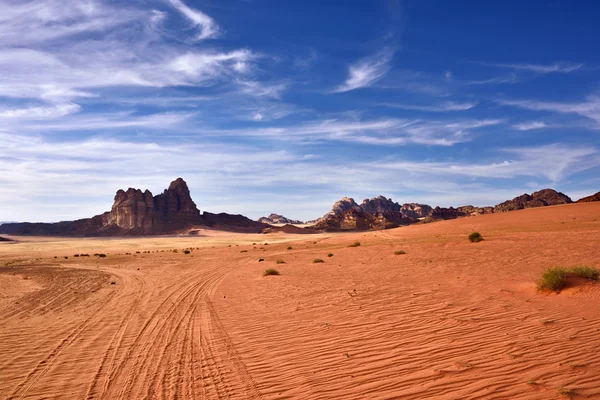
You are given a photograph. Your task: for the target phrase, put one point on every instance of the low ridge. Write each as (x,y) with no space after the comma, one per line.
(588,199)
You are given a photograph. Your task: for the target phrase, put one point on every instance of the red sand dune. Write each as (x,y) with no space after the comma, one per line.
(449,319)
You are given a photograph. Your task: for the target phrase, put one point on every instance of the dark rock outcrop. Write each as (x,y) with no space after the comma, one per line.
(278,219)
(231,222)
(542,198)
(139,213)
(589,199)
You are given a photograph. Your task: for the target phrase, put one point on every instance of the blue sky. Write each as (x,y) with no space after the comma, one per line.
(287,106)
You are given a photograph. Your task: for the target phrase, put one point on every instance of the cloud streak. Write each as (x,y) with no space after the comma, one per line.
(538,161)
(557,67)
(207,26)
(443,107)
(367,71)
(531,125)
(382,132)
(589,109)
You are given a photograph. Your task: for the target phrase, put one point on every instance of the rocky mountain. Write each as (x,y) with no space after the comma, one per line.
(140,213)
(545,197)
(278,219)
(588,199)
(376,213)
(383,213)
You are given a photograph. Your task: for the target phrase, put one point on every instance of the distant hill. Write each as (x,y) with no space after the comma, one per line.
(588,199)
(279,219)
(546,197)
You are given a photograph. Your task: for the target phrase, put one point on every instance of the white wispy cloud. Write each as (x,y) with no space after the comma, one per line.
(207,26)
(442,107)
(531,125)
(26,23)
(367,71)
(553,162)
(512,78)
(261,89)
(385,131)
(32,167)
(55,72)
(557,67)
(40,112)
(589,108)
(201,67)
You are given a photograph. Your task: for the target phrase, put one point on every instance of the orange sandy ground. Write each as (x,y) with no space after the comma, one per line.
(448,320)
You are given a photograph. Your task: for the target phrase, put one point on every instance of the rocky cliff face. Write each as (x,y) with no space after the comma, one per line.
(588,199)
(278,219)
(140,213)
(545,197)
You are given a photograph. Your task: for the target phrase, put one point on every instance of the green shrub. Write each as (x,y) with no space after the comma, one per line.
(243,251)
(318,260)
(289,247)
(280,262)
(586,272)
(270,271)
(186,252)
(399,252)
(553,279)
(355,244)
(475,237)
(101,255)
(330,255)
(261,259)
(563,391)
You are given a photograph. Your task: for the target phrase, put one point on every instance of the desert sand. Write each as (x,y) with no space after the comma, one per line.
(449,319)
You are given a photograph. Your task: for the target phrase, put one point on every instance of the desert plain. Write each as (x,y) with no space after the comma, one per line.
(449,319)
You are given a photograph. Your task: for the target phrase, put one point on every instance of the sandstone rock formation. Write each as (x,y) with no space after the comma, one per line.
(375,213)
(545,197)
(383,213)
(588,199)
(140,213)
(278,219)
